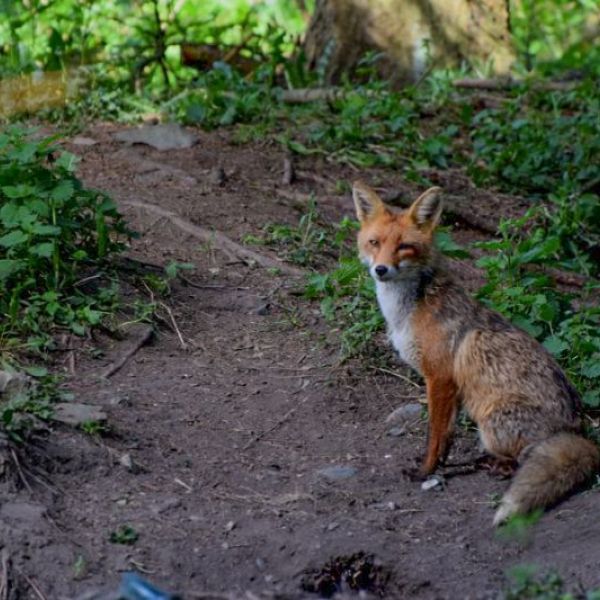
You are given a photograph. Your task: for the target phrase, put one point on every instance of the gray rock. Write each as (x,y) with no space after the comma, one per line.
(26,512)
(336,472)
(13,383)
(80,140)
(73,413)
(406,412)
(396,431)
(432,483)
(167,136)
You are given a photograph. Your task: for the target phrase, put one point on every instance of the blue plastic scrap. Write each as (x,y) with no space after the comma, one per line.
(133,587)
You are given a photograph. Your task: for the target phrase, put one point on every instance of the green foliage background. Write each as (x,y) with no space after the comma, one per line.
(541,145)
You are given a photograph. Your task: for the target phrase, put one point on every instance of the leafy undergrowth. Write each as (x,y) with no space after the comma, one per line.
(56,237)
(528,584)
(528,140)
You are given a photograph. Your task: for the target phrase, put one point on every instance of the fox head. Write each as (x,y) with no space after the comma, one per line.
(396,244)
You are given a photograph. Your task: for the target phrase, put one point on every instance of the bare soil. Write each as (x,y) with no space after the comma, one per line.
(251,461)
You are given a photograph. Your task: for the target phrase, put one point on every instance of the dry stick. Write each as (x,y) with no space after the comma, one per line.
(399,376)
(289,174)
(4,582)
(281,421)
(231,249)
(118,364)
(304,95)
(509,84)
(34,587)
(184,346)
(20,470)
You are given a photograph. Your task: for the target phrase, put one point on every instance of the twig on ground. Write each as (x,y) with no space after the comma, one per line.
(289,174)
(231,249)
(509,84)
(20,470)
(305,95)
(398,375)
(34,586)
(4,576)
(278,424)
(184,346)
(315,177)
(144,337)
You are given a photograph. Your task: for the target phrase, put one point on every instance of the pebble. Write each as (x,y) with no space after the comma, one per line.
(230,526)
(336,472)
(74,413)
(406,412)
(433,482)
(396,431)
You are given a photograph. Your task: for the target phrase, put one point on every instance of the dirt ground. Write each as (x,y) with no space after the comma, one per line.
(250,461)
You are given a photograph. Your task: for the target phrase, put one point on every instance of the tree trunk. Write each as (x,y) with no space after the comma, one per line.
(412,35)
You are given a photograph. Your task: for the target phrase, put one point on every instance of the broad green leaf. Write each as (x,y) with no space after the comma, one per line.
(14,238)
(22,190)
(43,250)
(8,267)
(63,191)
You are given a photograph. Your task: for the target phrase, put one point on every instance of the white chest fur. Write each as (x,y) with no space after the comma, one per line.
(396,301)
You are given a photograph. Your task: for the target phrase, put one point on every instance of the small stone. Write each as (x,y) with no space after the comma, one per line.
(336,472)
(217,176)
(264,309)
(332,526)
(260,564)
(396,431)
(167,136)
(127,461)
(230,526)
(80,140)
(73,413)
(13,383)
(406,412)
(26,512)
(433,482)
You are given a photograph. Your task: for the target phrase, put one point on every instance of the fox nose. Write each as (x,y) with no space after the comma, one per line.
(381,270)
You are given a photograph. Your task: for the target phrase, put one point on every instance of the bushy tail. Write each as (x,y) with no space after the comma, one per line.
(551,470)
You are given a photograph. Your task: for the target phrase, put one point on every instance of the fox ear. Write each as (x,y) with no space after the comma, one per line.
(366,201)
(426,210)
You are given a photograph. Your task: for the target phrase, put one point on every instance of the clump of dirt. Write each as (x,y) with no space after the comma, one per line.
(355,573)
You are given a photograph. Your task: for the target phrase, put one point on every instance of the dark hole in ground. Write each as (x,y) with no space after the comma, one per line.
(345,574)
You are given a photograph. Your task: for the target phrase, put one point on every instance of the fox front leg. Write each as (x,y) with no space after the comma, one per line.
(442,405)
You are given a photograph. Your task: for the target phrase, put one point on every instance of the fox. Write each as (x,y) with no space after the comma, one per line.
(527,412)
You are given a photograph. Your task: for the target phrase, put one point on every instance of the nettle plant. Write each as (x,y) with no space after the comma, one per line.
(518,286)
(54,236)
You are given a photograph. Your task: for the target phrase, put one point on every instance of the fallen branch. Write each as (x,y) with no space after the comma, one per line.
(144,337)
(305,95)
(278,424)
(231,249)
(4,576)
(509,84)
(182,343)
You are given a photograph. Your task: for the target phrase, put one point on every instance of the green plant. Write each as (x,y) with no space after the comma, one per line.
(94,428)
(303,243)
(54,236)
(125,535)
(519,288)
(526,584)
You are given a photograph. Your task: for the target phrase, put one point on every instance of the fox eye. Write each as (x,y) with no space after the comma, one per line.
(374,242)
(404,246)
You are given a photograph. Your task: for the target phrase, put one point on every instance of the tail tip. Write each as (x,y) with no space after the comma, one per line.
(508,508)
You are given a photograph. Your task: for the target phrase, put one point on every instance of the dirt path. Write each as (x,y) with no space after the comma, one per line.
(249,458)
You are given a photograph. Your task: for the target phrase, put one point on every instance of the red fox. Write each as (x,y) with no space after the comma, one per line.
(526,410)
